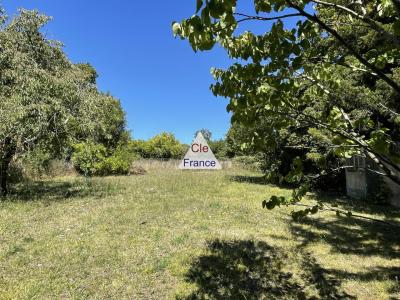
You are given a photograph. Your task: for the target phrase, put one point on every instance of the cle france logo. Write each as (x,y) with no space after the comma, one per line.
(200,156)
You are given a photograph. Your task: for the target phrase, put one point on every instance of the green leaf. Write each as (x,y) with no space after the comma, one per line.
(176,28)
(216,9)
(314,210)
(262,6)
(205,16)
(274,202)
(396,27)
(380,141)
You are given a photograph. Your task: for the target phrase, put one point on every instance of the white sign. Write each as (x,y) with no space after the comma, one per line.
(200,156)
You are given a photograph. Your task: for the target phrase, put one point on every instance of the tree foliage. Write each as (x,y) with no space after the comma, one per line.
(206,134)
(332,79)
(91,159)
(161,146)
(46,101)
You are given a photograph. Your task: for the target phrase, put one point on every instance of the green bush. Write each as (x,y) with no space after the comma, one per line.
(219,148)
(138,147)
(92,159)
(161,146)
(119,163)
(89,158)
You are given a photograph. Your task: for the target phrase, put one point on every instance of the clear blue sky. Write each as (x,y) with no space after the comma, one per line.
(162,84)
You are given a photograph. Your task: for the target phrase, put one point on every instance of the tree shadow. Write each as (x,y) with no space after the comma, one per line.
(387,211)
(260,179)
(246,269)
(55,190)
(248,179)
(349,235)
(374,274)
(352,236)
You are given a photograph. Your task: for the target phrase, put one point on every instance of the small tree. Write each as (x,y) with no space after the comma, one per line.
(206,134)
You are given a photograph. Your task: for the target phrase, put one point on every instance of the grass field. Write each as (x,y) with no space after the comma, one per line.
(175,234)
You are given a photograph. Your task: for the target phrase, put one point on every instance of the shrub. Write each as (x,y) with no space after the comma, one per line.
(138,147)
(89,158)
(93,159)
(164,145)
(161,146)
(219,148)
(119,163)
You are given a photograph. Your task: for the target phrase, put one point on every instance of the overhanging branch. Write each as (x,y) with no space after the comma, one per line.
(373,24)
(352,50)
(248,17)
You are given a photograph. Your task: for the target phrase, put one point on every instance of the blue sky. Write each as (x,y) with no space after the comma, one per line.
(162,84)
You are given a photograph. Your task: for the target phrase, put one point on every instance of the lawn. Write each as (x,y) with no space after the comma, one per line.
(174,234)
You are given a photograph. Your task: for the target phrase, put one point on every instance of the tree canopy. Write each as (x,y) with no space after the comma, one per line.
(46,100)
(331,79)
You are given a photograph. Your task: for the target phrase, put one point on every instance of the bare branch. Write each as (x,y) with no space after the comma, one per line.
(344,212)
(248,17)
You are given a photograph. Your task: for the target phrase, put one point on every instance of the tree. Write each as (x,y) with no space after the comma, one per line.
(109,128)
(46,101)
(334,75)
(220,148)
(161,146)
(206,134)
(275,150)
(90,72)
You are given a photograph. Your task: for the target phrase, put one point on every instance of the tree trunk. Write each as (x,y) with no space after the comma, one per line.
(7,153)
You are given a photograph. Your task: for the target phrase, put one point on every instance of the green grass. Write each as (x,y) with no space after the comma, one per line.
(187,235)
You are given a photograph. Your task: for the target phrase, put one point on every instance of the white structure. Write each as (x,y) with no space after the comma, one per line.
(200,156)
(361,179)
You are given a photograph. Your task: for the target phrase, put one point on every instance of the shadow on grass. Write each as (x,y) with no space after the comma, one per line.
(254,270)
(249,179)
(387,211)
(59,190)
(261,180)
(374,274)
(350,236)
